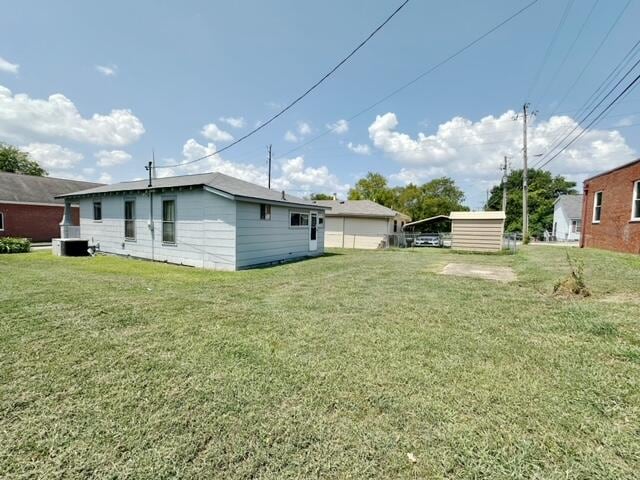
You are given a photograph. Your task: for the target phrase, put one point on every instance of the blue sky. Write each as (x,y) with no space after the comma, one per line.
(90,88)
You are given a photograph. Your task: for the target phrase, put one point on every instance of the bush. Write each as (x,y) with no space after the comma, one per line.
(574,283)
(14,245)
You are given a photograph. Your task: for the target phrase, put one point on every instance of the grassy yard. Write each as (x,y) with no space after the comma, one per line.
(335,367)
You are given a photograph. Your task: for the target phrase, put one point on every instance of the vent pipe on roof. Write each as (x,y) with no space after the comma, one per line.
(283,195)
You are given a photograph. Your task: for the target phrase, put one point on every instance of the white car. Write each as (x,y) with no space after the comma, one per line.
(429,240)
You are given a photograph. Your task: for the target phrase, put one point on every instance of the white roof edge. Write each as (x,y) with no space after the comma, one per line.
(493,215)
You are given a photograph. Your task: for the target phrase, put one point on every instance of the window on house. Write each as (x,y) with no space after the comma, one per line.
(265,212)
(297,219)
(636,201)
(597,207)
(576,225)
(97,211)
(320,219)
(1,221)
(130,219)
(395,226)
(169,221)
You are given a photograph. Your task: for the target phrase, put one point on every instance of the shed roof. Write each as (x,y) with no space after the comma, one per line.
(16,187)
(239,189)
(427,220)
(500,215)
(357,208)
(571,205)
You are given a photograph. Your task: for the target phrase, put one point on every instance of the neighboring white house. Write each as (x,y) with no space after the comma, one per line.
(567,218)
(208,220)
(360,223)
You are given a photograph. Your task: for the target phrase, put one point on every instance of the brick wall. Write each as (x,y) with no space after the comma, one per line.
(615,231)
(40,223)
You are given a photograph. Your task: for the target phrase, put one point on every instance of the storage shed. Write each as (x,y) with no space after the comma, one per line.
(477,231)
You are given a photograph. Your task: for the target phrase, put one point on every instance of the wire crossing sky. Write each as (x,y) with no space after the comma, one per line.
(424,92)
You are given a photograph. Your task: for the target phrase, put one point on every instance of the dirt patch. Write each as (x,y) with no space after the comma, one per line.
(487,272)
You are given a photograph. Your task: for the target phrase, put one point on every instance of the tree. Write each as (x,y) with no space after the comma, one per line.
(439,196)
(14,160)
(544,188)
(372,187)
(320,196)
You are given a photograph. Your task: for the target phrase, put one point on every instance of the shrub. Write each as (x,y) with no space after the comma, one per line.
(14,245)
(574,283)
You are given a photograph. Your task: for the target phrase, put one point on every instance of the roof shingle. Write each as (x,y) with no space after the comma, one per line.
(356,208)
(16,187)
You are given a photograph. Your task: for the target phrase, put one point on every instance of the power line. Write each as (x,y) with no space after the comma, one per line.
(550,46)
(571,47)
(294,102)
(593,55)
(416,79)
(590,112)
(584,130)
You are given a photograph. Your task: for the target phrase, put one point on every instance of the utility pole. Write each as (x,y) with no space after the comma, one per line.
(504,168)
(525,173)
(269,156)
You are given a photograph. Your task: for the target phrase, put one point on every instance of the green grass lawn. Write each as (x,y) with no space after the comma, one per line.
(336,367)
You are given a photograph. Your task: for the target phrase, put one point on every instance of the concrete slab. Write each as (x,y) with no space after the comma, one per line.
(487,272)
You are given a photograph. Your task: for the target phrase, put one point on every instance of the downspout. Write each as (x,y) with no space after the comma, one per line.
(585,193)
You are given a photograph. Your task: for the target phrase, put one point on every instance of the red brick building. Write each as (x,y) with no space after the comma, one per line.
(611,209)
(28,208)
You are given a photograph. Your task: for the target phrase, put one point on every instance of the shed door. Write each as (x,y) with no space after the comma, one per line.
(313,232)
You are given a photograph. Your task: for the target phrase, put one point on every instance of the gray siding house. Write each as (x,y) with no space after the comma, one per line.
(208,220)
(567,218)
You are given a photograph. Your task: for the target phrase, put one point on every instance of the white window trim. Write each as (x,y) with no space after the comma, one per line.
(595,196)
(307,226)
(135,233)
(93,207)
(267,216)
(175,220)
(636,191)
(1,221)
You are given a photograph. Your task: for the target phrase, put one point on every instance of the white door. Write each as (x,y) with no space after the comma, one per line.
(313,232)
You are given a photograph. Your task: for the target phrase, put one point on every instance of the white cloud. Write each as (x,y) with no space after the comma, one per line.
(304,128)
(289,136)
(470,152)
(52,156)
(339,127)
(290,174)
(105,178)
(213,133)
(235,122)
(625,121)
(111,158)
(474,149)
(7,66)
(360,149)
(22,117)
(107,70)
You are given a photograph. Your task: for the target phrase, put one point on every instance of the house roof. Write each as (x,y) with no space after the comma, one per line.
(219,182)
(571,205)
(620,167)
(16,187)
(357,208)
(499,215)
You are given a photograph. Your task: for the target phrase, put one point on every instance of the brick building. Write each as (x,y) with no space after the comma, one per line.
(28,208)
(611,209)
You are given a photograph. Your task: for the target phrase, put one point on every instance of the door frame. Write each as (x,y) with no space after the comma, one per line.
(313,226)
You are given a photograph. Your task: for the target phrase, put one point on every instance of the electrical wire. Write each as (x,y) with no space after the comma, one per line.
(593,55)
(627,89)
(550,46)
(294,102)
(415,79)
